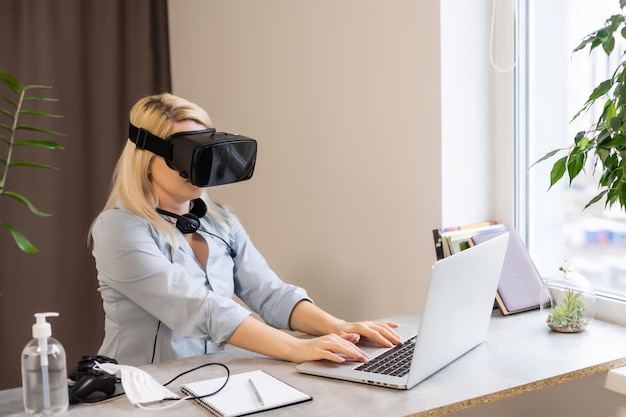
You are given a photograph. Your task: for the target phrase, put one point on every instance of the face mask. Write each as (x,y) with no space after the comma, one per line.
(139,386)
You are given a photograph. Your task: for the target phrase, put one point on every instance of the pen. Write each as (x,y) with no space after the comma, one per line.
(256,392)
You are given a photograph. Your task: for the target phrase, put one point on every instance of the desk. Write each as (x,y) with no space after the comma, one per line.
(520,355)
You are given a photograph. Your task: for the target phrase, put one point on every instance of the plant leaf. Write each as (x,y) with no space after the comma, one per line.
(617,141)
(622,194)
(35,98)
(546,156)
(608,44)
(27,203)
(601,90)
(32,164)
(38,129)
(575,164)
(596,199)
(603,137)
(10,82)
(40,113)
(557,171)
(3,126)
(20,239)
(40,143)
(36,87)
(7,113)
(615,123)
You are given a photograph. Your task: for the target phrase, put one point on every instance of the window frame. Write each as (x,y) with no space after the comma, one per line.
(515,100)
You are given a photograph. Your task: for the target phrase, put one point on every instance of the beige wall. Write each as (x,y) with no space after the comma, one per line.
(349,222)
(344,99)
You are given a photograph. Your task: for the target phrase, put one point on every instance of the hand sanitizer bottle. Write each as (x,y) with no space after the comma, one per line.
(44,371)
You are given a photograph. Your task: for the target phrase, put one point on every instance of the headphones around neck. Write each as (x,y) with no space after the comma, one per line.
(190,222)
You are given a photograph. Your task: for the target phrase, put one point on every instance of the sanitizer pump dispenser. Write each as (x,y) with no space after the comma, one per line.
(44,371)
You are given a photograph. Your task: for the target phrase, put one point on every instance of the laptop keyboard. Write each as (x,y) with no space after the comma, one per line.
(395,362)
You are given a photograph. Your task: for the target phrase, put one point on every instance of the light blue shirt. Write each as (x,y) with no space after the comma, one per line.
(161,304)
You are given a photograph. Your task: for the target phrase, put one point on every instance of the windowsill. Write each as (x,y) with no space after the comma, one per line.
(611,309)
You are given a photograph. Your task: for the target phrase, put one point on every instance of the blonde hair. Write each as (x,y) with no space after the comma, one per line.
(130,186)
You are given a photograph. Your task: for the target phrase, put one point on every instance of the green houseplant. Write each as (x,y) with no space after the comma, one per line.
(605,140)
(15,107)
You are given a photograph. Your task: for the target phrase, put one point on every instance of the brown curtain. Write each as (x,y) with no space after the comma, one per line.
(99,57)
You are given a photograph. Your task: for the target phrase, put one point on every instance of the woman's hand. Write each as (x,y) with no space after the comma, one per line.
(330,347)
(340,345)
(257,336)
(308,318)
(380,331)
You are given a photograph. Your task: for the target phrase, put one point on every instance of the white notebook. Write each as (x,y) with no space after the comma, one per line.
(238,398)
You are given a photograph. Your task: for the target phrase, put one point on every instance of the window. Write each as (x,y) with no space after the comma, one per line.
(552,84)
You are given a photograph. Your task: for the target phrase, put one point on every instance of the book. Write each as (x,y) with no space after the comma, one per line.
(520,282)
(451,240)
(240,397)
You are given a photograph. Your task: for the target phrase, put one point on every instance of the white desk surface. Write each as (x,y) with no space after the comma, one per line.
(520,354)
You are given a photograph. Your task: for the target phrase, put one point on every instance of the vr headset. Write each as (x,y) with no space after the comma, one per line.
(204,157)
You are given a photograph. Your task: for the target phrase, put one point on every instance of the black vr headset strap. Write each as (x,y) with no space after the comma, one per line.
(146,140)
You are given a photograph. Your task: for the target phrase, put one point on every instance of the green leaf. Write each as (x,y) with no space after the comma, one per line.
(615,123)
(617,142)
(546,156)
(20,239)
(557,171)
(603,137)
(39,143)
(575,164)
(595,43)
(616,20)
(7,113)
(36,87)
(622,4)
(596,198)
(38,129)
(601,90)
(579,136)
(608,44)
(27,203)
(32,164)
(608,111)
(611,197)
(10,82)
(35,98)
(8,100)
(40,113)
(622,194)
(607,177)
(585,42)
(620,90)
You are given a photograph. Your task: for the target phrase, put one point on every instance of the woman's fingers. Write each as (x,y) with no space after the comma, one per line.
(381,332)
(335,348)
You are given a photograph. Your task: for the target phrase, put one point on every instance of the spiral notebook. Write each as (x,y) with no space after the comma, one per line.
(238,397)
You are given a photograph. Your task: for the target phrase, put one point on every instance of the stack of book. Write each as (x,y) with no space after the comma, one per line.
(520,282)
(451,240)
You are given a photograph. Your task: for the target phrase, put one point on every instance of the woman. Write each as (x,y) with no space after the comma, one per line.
(168,294)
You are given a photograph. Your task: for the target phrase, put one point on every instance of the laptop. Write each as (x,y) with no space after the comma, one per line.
(454,320)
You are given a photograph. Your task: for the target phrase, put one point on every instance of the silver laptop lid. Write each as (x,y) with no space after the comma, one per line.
(458,306)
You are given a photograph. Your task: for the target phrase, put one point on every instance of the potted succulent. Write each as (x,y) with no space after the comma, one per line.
(15,106)
(567,301)
(567,316)
(605,139)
